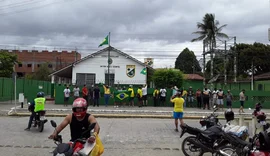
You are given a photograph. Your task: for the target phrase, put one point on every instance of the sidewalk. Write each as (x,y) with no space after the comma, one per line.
(120,112)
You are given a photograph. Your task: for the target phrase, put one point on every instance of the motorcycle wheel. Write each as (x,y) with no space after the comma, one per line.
(40,126)
(229,150)
(191,147)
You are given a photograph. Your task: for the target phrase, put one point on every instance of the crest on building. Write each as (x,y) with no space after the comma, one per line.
(130,71)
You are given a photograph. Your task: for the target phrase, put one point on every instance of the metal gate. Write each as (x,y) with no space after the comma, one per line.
(83,78)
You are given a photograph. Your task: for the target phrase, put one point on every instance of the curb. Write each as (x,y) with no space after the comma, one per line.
(123,116)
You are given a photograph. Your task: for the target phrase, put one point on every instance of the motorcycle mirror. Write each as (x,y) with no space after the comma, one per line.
(92,126)
(53,124)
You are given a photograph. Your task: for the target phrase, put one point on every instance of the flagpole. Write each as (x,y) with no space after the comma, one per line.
(109,59)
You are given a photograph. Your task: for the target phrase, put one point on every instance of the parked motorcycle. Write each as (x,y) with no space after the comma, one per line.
(209,121)
(39,120)
(80,147)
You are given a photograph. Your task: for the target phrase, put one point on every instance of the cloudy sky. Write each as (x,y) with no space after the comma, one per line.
(159,29)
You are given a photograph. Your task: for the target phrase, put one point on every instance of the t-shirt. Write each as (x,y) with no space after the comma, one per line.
(76,91)
(96,92)
(229,97)
(242,96)
(206,92)
(220,94)
(132,92)
(215,94)
(178,104)
(67,92)
(190,93)
(144,91)
(162,92)
(139,91)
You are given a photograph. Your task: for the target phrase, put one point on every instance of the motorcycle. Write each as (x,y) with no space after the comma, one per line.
(80,147)
(209,121)
(39,119)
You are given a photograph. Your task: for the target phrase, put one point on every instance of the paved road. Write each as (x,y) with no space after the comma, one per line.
(121,137)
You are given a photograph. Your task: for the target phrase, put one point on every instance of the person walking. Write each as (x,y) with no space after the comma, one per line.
(178,110)
(242,101)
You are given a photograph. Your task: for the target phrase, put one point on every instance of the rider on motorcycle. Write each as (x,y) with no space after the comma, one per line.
(79,121)
(36,106)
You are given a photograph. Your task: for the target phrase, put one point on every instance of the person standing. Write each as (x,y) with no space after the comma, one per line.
(131,97)
(144,94)
(85,94)
(66,95)
(242,101)
(76,92)
(178,112)
(190,97)
(163,96)
(214,97)
(206,95)
(107,94)
(155,96)
(139,96)
(220,96)
(229,99)
(199,98)
(96,96)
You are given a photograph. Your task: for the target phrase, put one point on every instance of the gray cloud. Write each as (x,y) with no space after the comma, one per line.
(137,25)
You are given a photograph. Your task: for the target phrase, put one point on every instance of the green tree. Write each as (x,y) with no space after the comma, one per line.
(7,62)
(168,78)
(42,73)
(187,62)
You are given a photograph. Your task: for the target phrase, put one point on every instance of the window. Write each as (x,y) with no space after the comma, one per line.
(87,79)
(111,79)
(20,65)
(29,65)
(38,65)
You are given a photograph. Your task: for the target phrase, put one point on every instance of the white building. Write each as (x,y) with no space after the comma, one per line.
(93,69)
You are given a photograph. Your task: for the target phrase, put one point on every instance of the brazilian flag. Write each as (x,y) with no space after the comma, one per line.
(121,95)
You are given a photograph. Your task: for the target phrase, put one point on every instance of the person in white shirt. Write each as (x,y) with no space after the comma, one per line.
(144,95)
(76,92)
(220,96)
(214,97)
(206,95)
(66,95)
(163,96)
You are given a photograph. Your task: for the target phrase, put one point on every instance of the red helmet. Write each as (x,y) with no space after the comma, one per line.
(79,103)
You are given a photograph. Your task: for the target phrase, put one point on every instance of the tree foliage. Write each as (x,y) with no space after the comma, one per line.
(7,62)
(41,74)
(187,62)
(168,78)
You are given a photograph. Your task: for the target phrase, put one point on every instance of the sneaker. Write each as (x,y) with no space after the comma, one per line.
(27,129)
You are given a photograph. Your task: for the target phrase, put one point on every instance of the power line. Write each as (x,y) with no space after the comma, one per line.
(24,3)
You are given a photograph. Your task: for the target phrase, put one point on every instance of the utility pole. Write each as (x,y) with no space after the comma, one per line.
(225,64)
(203,62)
(212,59)
(75,54)
(235,63)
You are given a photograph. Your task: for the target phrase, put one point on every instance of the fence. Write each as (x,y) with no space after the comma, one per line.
(28,87)
(252,96)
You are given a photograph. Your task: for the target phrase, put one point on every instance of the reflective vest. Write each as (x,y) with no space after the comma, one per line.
(39,104)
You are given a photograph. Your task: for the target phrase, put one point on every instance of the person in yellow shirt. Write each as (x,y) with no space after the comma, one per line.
(155,96)
(178,110)
(131,97)
(139,96)
(107,94)
(184,96)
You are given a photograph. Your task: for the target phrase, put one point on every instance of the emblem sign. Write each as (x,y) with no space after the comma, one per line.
(130,71)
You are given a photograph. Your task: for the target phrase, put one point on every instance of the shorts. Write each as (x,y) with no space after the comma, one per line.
(162,99)
(66,98)
(242,103)
(190,99)
(144,97)
(220,101)
(229,103)
(178,115)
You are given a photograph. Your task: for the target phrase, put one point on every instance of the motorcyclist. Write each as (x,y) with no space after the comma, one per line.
(79,121)
(37,105)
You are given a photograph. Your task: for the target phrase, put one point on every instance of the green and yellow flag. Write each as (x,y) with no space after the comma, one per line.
(121,95)
(143,71)
(105,41)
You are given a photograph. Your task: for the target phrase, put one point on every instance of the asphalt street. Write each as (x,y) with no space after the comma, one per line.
(121,137)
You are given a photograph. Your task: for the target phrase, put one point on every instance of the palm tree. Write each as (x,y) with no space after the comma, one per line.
(209,31)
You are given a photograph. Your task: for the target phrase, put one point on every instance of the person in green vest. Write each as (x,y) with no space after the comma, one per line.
(37,105)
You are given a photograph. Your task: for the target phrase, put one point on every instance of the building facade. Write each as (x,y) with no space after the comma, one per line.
(30,61)
(93,69)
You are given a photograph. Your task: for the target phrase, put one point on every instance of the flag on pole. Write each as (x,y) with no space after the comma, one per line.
(143,71)
(105,41)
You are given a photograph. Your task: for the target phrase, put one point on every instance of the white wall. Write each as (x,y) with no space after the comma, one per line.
(98,65)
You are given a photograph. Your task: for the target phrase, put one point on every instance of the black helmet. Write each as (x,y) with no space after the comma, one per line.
(229,115)
(258,106)
(40,94)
